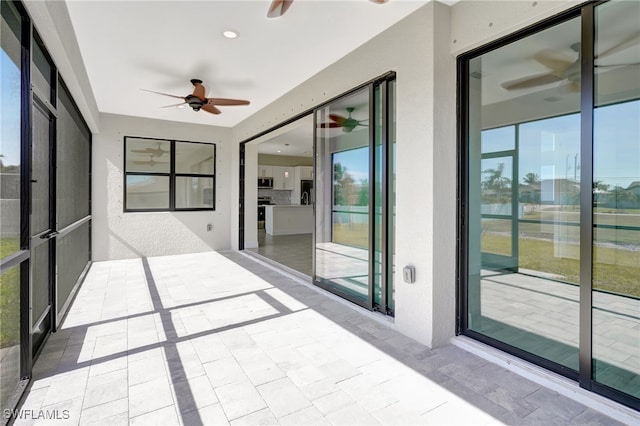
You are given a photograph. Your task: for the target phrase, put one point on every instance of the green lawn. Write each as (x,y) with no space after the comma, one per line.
(9,296)
(352,235)
(615,269)
(8,245)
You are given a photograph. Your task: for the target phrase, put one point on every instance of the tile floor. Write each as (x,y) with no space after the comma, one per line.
(294,251)
(218,338)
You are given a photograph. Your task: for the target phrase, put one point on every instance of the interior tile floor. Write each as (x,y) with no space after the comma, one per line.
(294,251)
(218,338)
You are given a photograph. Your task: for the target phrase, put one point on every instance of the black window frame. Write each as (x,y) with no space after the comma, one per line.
(172,175)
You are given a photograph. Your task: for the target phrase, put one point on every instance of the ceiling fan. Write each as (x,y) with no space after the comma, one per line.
(197,100)
(347,123)
(154,152)
(151,162)
(565,68)
(279,7)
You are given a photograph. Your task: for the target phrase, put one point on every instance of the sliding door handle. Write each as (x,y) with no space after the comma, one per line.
(49,235)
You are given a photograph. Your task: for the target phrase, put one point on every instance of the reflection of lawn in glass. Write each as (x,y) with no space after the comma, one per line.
(353,235)
(615,269)
(9,296)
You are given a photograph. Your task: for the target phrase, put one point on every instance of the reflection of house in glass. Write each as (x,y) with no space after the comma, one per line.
(551,191)
(147,191)
(617,197)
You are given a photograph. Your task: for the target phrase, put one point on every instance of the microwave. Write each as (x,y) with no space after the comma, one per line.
(265,182)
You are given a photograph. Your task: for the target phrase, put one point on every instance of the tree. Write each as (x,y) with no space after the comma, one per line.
(497,187)
(363,197)
(531,178)
(338,192)
(600,185)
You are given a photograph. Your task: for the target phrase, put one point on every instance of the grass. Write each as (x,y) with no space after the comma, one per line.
(615,269)
(10,307)
(8,245)
(352,235)
(9,296)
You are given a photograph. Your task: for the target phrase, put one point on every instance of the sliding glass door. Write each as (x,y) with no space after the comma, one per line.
(551,190)
(343,222)
(616,198)
(354,188)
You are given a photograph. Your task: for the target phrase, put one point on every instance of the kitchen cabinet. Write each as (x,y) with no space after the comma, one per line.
(306,172)
(265,171)
(283,177)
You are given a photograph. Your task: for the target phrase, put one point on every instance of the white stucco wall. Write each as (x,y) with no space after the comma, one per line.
(119,235)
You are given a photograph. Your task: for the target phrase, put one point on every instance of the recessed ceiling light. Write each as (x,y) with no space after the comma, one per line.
(230,33)
(279,150)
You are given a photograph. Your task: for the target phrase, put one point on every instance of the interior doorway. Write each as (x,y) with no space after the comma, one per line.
(283,165)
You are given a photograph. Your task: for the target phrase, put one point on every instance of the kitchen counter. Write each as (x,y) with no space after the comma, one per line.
(288,219)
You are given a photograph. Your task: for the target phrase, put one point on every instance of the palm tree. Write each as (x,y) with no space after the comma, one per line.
(496,185)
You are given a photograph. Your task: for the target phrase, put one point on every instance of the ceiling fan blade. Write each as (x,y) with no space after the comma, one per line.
(632,64)
(553,60)
(379,1)
(340,120)
(527,82)
(329,125)
(173,105)
(226,102)
(212,109)
(198,89)
(278,8)
(627,42)
(165,94)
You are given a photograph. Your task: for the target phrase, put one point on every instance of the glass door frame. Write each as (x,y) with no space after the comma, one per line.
(584,375)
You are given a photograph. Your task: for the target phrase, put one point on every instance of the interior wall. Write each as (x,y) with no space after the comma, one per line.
(119,235)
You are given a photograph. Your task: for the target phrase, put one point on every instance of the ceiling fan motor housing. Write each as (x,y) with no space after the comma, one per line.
(194,102)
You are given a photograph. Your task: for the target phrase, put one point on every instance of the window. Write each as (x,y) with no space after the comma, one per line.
(168,175)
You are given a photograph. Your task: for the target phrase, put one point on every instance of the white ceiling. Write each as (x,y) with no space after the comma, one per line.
(160,45)
(295,140)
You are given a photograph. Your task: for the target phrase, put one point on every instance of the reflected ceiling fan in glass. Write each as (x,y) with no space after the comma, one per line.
(151,162)
(348,124)
(154,152)
(565,68)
